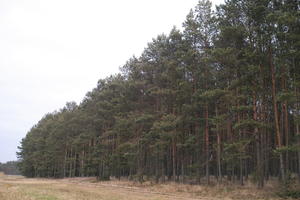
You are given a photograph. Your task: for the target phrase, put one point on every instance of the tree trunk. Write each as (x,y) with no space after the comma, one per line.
(298,134)
(65,162)
(206,144)
(241,172)
(298,130)
(285,116)
(286,131)
(218,149)
(74,164)
(82,163)
(70,170)
(258,146)
(174,158)
(276,116)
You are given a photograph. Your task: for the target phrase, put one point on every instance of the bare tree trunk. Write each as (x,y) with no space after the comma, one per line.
(182,167)
(240,135)
(285,116)
(174,158)
(298,131)
(65,162)
(276,116)
(258,146)
(198,136)
(206,144)
(218,149)
(74,164)
(241,172)
(82,163)
(286,131)
(298,134)
(70,170)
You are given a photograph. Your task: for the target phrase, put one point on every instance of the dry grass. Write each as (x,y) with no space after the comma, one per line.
(20,188)
(225,191)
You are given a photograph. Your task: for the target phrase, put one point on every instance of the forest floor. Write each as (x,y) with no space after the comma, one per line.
(20,188)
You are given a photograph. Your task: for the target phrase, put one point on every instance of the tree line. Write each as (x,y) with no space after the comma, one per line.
(219,98)
(10,168)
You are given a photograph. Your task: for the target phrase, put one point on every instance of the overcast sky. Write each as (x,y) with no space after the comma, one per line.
(54,51)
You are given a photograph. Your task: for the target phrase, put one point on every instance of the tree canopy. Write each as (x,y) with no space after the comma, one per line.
(219,98)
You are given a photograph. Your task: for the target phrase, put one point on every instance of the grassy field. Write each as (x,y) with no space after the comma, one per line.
(20,188)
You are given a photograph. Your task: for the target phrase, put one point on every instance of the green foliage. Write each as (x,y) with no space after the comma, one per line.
(290,148)
(249,123)
(242,108)
(289,188)
(235,151)
(210,95)
(197,98)
(286,96)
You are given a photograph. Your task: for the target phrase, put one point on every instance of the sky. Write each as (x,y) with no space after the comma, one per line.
(55,51)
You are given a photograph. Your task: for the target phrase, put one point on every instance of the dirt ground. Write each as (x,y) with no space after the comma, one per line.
(20,188)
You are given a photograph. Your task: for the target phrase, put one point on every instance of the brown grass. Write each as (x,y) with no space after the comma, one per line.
(20,188)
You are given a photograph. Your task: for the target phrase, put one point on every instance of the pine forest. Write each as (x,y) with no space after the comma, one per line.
(216,100)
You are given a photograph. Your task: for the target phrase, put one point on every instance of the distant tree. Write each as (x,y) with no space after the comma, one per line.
(10,168)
